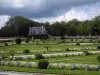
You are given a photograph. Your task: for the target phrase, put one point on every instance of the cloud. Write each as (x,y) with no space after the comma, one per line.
(49,10)
(86,12)
(3,20)
(40,8)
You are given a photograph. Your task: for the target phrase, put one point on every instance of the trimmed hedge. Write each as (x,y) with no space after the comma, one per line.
(18,40)
(39,56)
(26,51)
(43,64)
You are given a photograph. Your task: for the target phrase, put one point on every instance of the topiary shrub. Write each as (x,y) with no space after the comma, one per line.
(6,44)
(47,48)
(26,51)
(78,44)
(63,41)
(98,47)
(86,52)
(91,40)
(43,64)
(98,41)
(67,49)
(39,56)
(71,39)
(98,58)
(18,40)
(27,40)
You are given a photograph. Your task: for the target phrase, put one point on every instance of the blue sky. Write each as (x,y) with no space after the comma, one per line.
(49,10)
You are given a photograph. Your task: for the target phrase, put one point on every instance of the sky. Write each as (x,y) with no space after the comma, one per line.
(49,10)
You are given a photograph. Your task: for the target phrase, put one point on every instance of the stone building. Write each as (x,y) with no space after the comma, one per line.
(38,32)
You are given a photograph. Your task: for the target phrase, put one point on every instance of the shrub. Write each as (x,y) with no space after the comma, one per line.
(67,49)
(6,44)
(98,47)
(91,40)
(98,41)
(39,56)
(27,40)
(26,51)
(77,44)
(98,58)
(47,48)
(18,40)
(43,64)
(71,39)
(63,41)
(86,52)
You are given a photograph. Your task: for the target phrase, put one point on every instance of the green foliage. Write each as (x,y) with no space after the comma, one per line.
(26,51)
(43,64)
(98,58)
(98,47)
(78,44)
(98,41)
(20,27)
(91,40)
(67,49)
(18,40)
(63,41)
(39,56)
(86,52)
(47,48)
(6,44)
(71,39)
(27,40)
(4,56)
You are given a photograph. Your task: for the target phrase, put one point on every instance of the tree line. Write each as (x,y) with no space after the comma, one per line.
(19,26)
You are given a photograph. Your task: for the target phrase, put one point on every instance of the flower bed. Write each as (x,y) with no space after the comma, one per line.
(51,65)
(30,57)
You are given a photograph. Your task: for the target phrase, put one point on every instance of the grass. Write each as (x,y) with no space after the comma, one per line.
(91,59)
(33,46)
(50,71)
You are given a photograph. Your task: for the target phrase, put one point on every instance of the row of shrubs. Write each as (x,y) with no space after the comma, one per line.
(43,56)
(26,51)
(44,64)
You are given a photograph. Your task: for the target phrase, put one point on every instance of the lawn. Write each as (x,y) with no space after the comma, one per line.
(53,46)
(50,71)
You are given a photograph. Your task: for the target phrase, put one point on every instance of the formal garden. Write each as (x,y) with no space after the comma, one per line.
(73,56)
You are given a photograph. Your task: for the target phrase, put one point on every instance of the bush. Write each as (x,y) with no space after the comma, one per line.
(6,44)
(47,48)
(67,49)
(98,58)
(77,44)
(27,40)
(43,64)
(86,52)
(98,41)
(63,41)
(91,40)
(98,47)
(39,56)
(26,51)
(71,39)
(18,40)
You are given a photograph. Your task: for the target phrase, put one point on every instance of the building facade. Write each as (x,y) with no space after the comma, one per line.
(38,32)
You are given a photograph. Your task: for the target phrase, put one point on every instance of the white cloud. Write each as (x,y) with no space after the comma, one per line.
(82,13)
(3,20)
